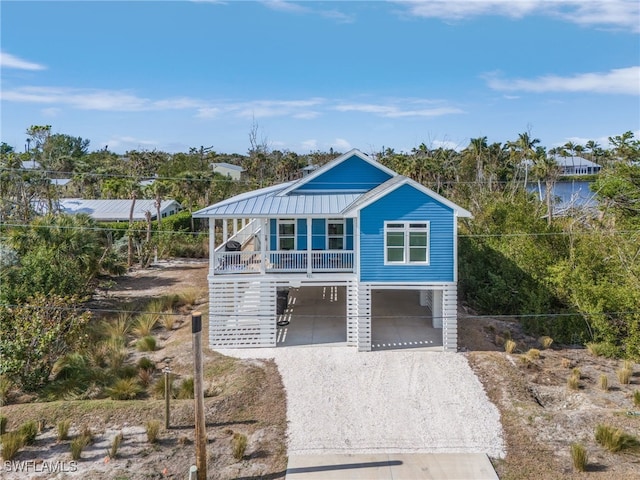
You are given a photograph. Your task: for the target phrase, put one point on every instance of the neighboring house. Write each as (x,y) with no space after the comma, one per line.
(30,165)
(228,169)
(117,210)
(576,166)
(353,223)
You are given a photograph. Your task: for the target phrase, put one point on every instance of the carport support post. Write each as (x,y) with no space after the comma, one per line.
(198,395)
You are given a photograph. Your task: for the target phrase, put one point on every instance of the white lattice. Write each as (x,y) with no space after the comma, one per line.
(364,318)
(450,319)
(242,314)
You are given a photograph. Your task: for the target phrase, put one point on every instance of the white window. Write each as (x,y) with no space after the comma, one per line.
(286,234)
(335,234)
(406,242)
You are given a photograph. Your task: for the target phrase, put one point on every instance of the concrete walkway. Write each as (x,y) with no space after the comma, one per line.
(399,466)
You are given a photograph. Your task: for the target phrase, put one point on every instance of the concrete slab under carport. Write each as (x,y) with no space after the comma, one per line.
(387,466)
(398,321)
(317,316)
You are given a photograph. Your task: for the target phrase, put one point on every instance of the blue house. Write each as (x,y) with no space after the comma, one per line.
(352,223)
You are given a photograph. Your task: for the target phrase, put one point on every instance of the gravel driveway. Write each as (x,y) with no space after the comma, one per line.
(342,401)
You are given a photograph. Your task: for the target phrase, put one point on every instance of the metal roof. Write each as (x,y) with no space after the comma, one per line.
(114,210)
(267,203)
(574,161)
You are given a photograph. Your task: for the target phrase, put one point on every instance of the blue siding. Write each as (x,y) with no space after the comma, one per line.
(351,174)
(404,204)
(318,234)
(301,233)
(273,234)
(349,240)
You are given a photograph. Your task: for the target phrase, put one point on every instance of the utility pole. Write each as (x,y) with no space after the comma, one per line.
(198,395)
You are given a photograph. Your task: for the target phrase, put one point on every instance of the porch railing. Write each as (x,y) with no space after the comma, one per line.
(283,261)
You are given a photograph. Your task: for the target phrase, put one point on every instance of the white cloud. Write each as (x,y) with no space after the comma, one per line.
(624,81)
(11,61)
(341,144)
(50,112)
(129,143)
(623,14)
(397,111)
(303,8)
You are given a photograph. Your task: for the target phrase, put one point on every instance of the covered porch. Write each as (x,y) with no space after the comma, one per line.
(262,245)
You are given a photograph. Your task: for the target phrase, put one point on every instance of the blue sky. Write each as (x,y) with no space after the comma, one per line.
(319,75)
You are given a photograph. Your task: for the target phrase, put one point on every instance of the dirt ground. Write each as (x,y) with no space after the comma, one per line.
(541,416)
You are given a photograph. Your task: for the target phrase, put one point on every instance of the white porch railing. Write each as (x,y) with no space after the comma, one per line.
(282,261)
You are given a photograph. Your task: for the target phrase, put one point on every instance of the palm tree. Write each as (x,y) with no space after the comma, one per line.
(546,169)
(477,149)
(524,150)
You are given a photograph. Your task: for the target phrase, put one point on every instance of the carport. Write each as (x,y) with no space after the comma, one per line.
(316,315)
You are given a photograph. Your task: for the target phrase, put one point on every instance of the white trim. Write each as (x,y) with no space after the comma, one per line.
(406,230)
(286,221)
(340,221)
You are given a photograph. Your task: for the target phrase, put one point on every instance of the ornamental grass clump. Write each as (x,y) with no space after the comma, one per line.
(545,342)
(77,445)
(604,382)
(573,382)
(636,398)
(3,424)
(147,344)
(624,375)
(153,431)
(239,443)
(615,439)
(12,442)
(29,432)
(62,429)
(115,445)
(509,346)
(124,389)
(533,354)
(579,457)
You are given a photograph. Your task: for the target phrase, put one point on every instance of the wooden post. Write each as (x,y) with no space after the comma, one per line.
(198,395)
(167,395)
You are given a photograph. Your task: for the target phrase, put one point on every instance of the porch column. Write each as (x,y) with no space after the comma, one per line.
(309,250)
(450,318)
(436,309)
(225,230)
(212,245)
(264,236)
(244,222)
(424,300)
(235,226)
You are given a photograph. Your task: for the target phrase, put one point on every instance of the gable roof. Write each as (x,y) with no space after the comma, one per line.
(285,201)
(393,183)
(229,166)
(333,164)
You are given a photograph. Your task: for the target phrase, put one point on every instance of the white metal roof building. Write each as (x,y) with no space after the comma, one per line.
(117,210)
(576,165)
(228,169)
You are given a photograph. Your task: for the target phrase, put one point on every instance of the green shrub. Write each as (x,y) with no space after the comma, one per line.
(124,389)
(5,388)
(579,457)
(146,344)
(153,431)
(239,444)
(12,442)
(62,429)
(603,349)
(29,431)
(614,439)
(145,363)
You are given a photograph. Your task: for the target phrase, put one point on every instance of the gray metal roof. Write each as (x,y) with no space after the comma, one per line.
(574,161)
(114,210)
(267,203)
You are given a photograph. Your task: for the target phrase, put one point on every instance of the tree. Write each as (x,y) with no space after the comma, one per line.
(546,169)
(34,335)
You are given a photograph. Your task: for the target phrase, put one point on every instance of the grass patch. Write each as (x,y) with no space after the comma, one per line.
(158,387)
(573,382)
(185,390)
(145,324)
(77,445)
(62,429)
(29,432)
(533,354)
(615,439)
(636,398)
(12,442)
(579,457)
(3,424)
(239,444)
(146,344)
(603,349)
(124,389)
(624,375)
(603,382)
(5,387)
(545,342)
(509,346)
(168,320)
(115,445)
(153,431)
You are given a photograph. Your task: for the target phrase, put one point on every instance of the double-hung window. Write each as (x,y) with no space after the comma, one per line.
(287,234)
(406,243)
(335,234)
